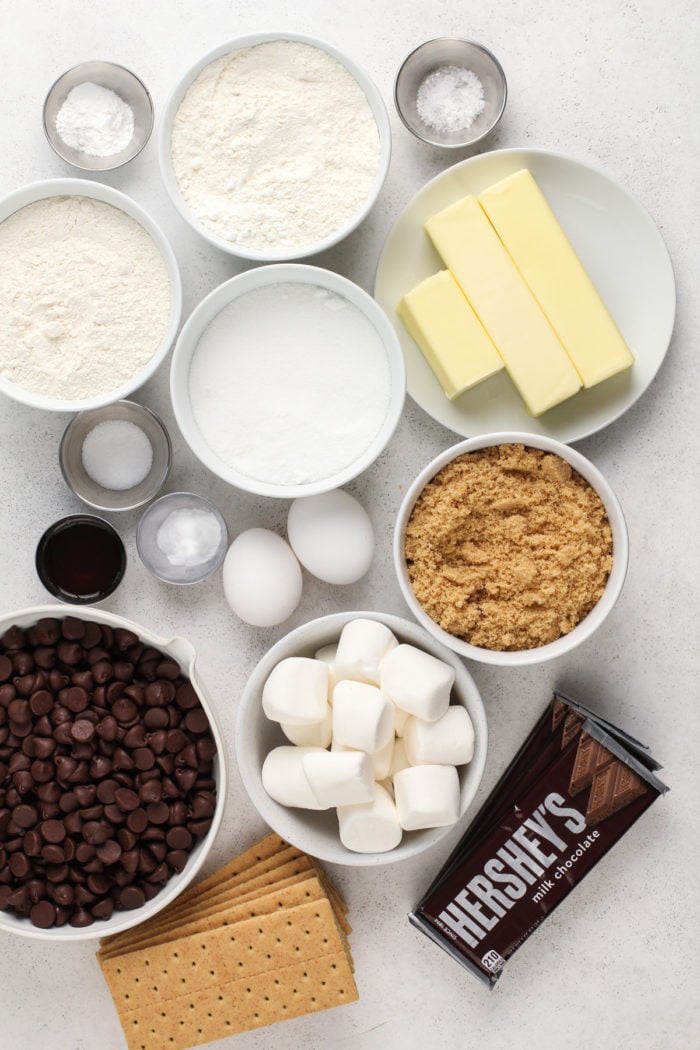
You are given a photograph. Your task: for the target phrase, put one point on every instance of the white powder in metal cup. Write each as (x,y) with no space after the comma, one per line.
(95,121)
(275,146)
(289,384)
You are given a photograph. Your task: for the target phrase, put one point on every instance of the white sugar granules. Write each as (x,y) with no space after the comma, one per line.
(275,146)
(117,455)
(95,121)
(450,99)
(86,297)
(289,384)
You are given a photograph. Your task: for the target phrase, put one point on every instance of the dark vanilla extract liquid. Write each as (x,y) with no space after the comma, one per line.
(81,560)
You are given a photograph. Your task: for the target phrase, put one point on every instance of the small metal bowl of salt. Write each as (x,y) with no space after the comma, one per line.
(182,538)
(116,457)
(98,116)
(450,93)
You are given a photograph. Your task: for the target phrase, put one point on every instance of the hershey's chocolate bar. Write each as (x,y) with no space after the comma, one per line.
(574,788)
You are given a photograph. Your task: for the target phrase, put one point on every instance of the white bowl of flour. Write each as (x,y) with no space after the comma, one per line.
(287,380)
(274,146)
(92,292)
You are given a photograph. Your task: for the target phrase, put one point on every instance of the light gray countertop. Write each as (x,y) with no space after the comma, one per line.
(604,81)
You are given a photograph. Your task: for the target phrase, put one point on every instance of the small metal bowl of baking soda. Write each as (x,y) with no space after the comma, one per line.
(450,92)
(98,116)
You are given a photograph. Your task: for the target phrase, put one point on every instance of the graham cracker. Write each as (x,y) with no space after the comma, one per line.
(204,961)
(219,881)
(246,906)
(240,1006)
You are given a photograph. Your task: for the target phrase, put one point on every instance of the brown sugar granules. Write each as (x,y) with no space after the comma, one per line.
(508,548)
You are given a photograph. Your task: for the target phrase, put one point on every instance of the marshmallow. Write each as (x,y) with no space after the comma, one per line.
(316,735)
(327,654)
(447,742)
(296,691)
(426,796)
(417,682)
(338,778)
(400,719)
(381,760)
(399,760)
(284,779)
(363,718)
(362,646)
(372,827)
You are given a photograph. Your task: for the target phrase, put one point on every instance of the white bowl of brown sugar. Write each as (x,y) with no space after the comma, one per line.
(510,548)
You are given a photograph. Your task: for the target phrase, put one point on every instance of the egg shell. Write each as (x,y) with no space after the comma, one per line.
(332,536)
(262,578)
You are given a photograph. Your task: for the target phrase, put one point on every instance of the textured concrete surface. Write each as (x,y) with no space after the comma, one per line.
(605,81)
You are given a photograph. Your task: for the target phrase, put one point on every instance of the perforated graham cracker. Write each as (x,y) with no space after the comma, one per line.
(223,913)
(262,873)
(301,988)
(214,958)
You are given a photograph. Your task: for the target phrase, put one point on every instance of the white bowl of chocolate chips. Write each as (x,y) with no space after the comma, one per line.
(112,772)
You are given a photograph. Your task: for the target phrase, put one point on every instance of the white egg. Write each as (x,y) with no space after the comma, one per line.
(332,536)
(262,578)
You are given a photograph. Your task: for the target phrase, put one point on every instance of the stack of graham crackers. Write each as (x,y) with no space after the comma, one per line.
(261,940)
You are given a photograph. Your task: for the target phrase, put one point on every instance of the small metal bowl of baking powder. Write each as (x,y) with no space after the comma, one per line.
(126,86)
(436,58)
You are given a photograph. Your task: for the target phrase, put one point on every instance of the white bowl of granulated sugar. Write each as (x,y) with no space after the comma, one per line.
(287,380)
(274,146)
(92,292)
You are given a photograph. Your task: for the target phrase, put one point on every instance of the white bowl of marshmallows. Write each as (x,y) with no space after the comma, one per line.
(360,739)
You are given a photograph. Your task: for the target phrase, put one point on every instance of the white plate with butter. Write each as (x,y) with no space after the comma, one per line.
(618,244)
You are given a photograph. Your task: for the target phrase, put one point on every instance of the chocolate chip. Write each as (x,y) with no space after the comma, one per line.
(25,816)
(82,731)
(43,914)
(126,799)
(75,698)
(137,821)
(109,852)
(6,668)
(73,629)
(132,897)
(179,838)
(53,831)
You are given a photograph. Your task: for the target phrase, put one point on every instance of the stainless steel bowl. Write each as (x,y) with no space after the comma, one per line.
(434,55)
(125,84)
(76,477)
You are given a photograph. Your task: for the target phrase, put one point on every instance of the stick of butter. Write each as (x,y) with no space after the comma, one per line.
(556,277)
(534,358)
(449,334)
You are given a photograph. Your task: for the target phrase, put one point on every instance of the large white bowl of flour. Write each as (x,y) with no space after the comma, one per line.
(91,292)
(287,380)
(274,146)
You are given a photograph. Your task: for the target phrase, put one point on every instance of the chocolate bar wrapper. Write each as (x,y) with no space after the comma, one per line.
(554,730)
(512,870)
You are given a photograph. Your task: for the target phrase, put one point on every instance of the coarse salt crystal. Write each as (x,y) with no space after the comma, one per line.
(450,99)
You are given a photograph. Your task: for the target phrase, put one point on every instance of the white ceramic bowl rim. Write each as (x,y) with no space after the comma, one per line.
(79,187)
(184,653)
(297,826)
(376,104)
(598,613)
(226,293)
